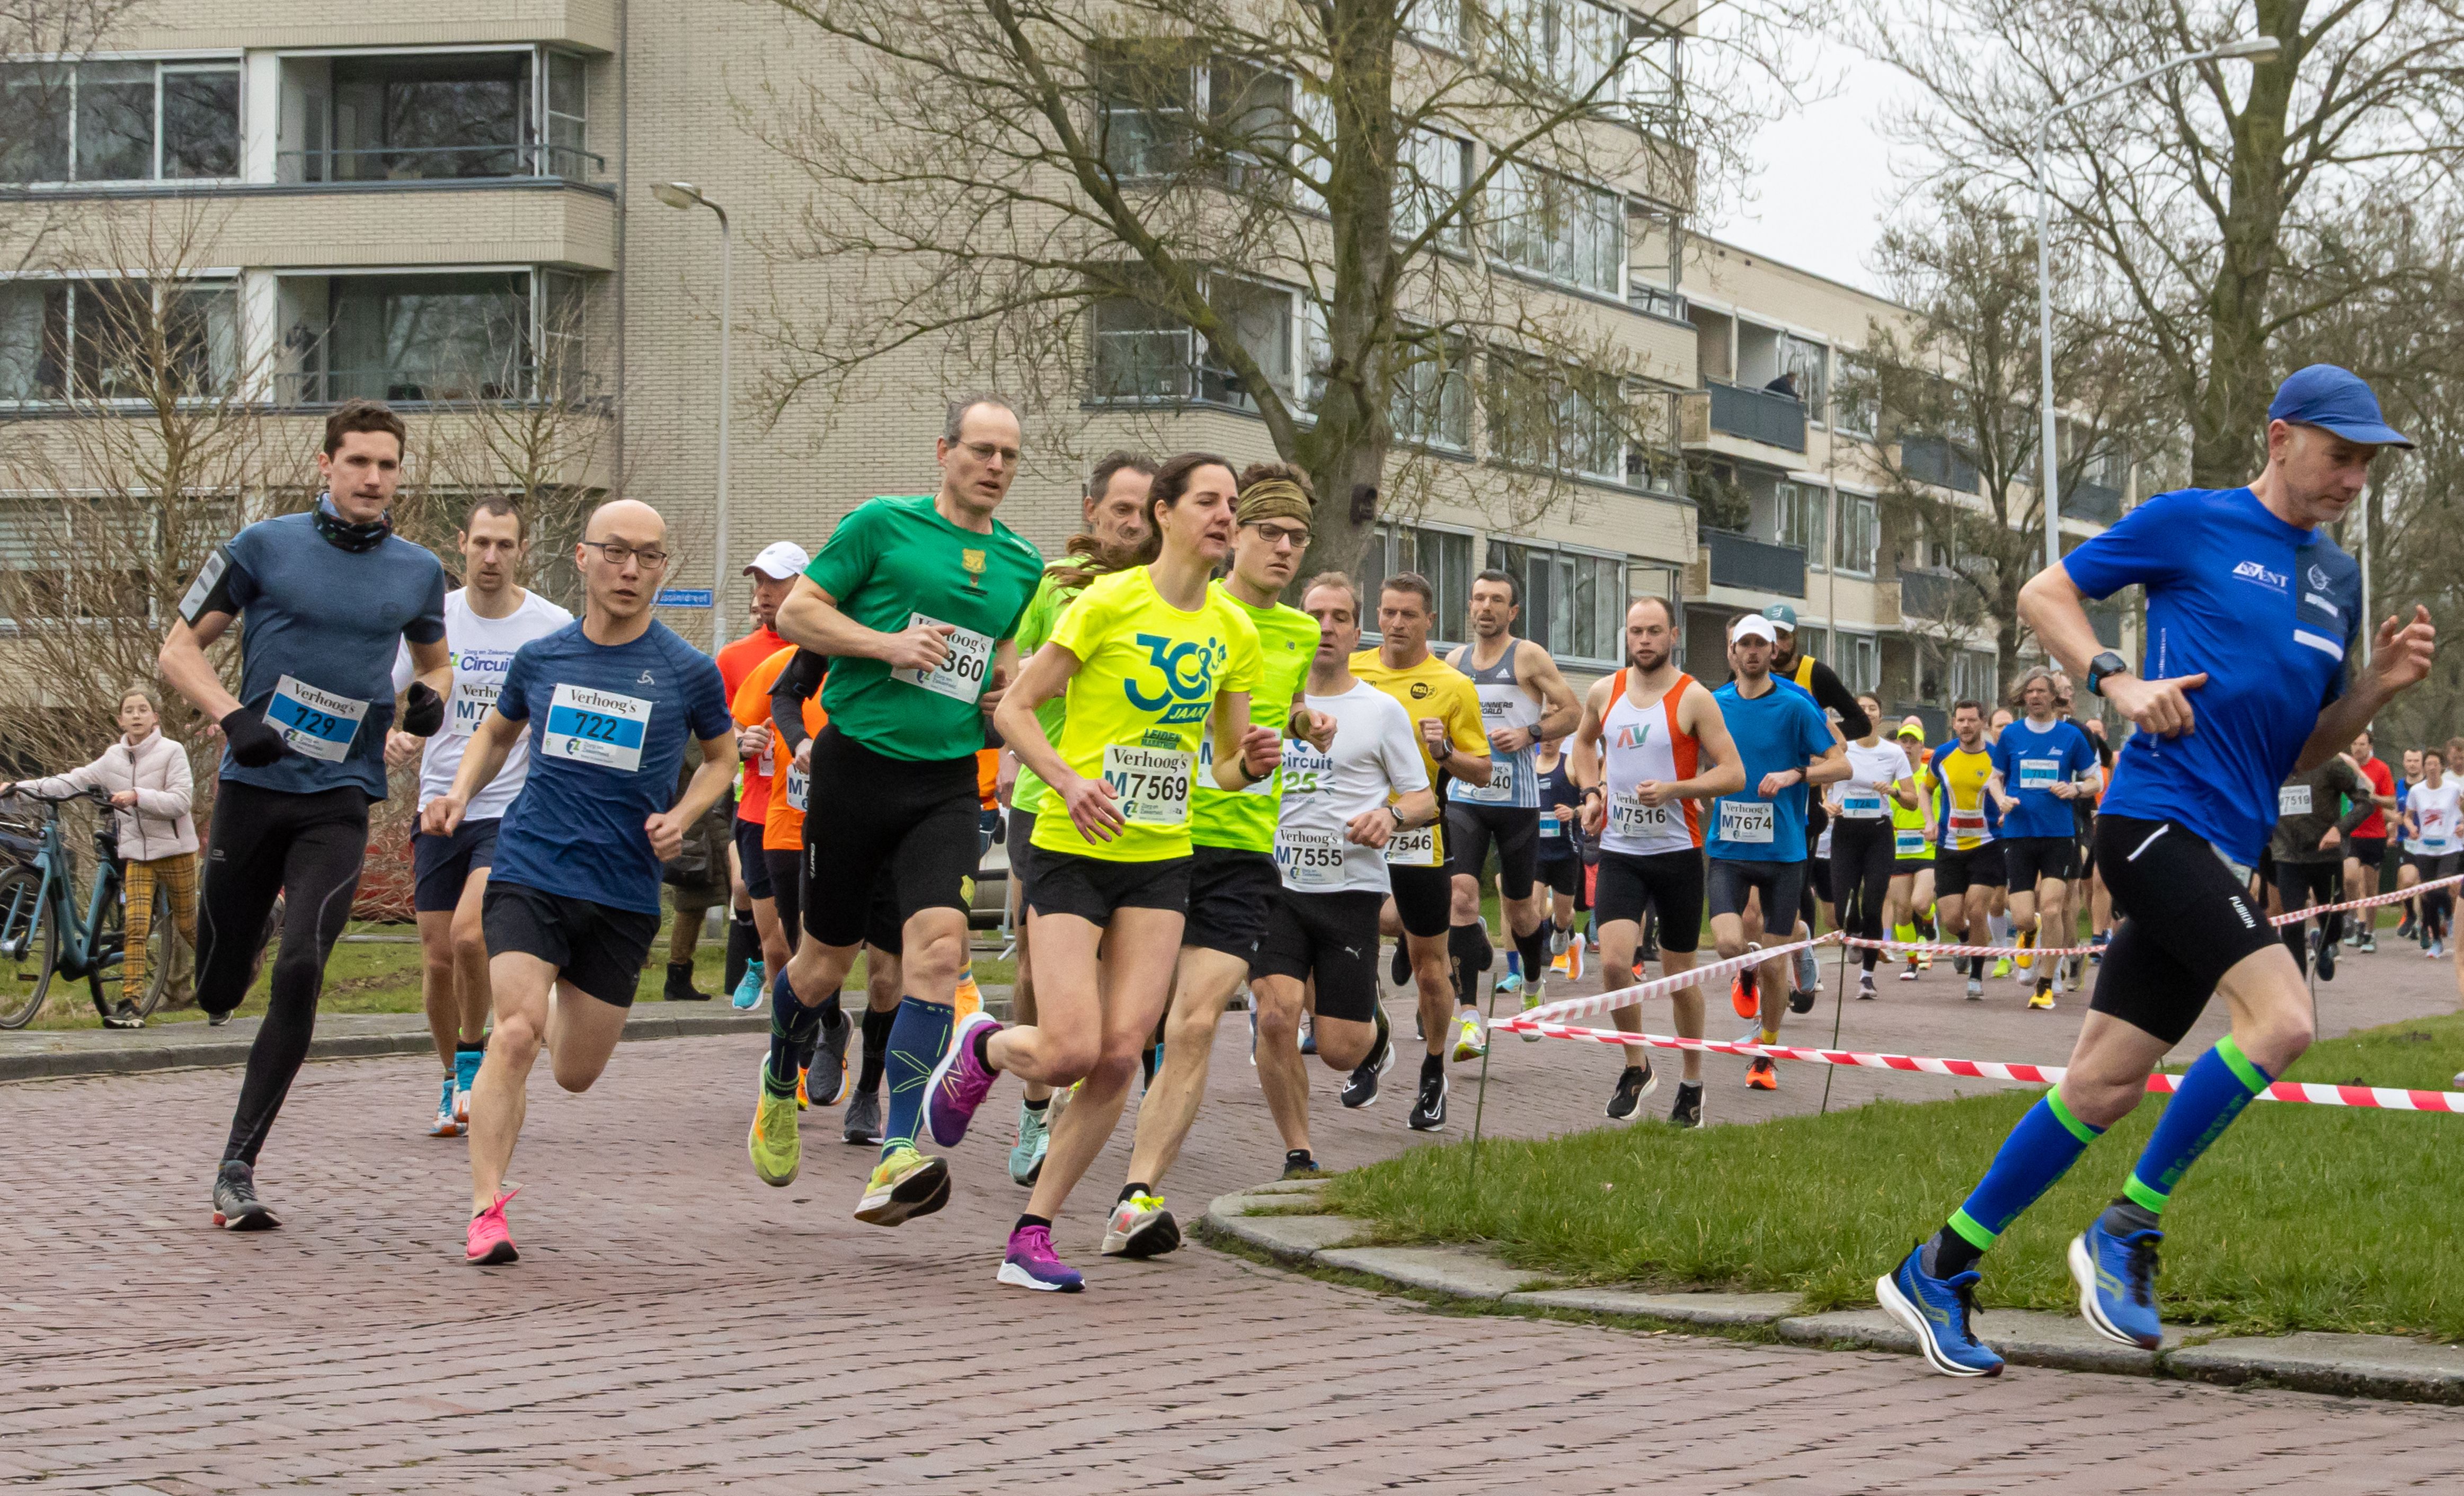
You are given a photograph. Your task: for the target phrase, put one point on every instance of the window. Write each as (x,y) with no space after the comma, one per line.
(89,556)
(96,339)
(1858,661)
(1430,170)
(427,115)
(1556,416)
(1859,534)
(1432,395)
(119,122)
(1648,86)
(1570,43)
(1573,603)
(1803,517)
(1555,227)
(1805,359)
(1974,677)
(1859,397)
(1162,107)
(1442,556)
(1146,356)
(1438,22)
(562,107)
(414,337)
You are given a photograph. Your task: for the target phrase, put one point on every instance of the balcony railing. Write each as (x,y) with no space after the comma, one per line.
(429,386)
(1658,300)
(438,163)
(1740,561)
(1925,593)
(2088,500)
(1757,415)
(1930,459)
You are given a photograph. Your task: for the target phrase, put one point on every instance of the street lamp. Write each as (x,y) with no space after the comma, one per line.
(2254,49)
(687,196)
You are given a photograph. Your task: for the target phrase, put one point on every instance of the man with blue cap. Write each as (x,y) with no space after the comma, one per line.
(2254,619)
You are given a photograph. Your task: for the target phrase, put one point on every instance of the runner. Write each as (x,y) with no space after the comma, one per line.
(1445,710)
(323,600)
(2309,852)
(1522,698)
(915,601)
(1912,833)
(1234,847)
(2038,768)
(605,707)
(2430,849)
(1829,693)
(1968,866)
(1114,525)
(2365,848)
(486,620)
(1863,848)
(1153,660)
(2262,612)
(773,573)
(1560,868)
(1651,744)
(2410,918)
(1757,844)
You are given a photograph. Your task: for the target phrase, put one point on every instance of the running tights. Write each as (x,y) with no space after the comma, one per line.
(1861,854)
(307,849)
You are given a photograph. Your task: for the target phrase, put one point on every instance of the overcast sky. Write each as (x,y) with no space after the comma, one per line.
(1823,177)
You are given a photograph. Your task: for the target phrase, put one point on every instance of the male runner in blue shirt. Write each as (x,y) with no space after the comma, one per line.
(2251,614)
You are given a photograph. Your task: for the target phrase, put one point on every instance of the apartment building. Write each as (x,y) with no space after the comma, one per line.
(450,207)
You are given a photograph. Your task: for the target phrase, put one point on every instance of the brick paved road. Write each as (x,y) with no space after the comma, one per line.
(675,1327)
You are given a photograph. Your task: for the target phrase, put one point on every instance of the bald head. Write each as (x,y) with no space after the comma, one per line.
(622,554)
(628,518)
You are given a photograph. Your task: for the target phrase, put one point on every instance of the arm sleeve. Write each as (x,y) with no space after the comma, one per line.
(222,585)
(1830,692)
(178,792)
(1398,748)
(2145,547)
(429,628)
(848,556)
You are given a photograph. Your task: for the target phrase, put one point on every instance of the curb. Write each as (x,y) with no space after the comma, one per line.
(2387,1367)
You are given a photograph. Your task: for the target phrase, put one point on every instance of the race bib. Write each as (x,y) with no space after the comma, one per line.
(1551,825)
(1309,859)
(318,723)
(1745,821)
(962,675)
(1417,848)
(2293,799)
(1908,843)
(1858,802)
(1630,818)
(1150,786)
(1968,825)
(596,727)
(1499,789)
(472,699)
(2039,773)
(799,784)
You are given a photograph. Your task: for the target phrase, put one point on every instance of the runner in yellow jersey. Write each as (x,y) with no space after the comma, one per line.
(1968,866)
(1444,707)
(1912,882)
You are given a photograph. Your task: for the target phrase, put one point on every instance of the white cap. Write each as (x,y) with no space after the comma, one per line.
(1753,625)
(780,559)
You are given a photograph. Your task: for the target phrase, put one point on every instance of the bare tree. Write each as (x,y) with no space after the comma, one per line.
(35,98)
(1354,218)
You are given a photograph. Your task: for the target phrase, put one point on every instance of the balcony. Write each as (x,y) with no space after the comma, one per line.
(1660,300)
(375,117)
(1757,415)
(2094,501)
(1740,561)
(1926,593)
(438,163)
(1932,459)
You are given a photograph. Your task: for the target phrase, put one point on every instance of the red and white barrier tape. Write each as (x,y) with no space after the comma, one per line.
(1923,948)
(2391,897)
(2384,1098)
(1661,986)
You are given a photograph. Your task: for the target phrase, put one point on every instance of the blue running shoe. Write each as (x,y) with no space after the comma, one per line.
(448,1123)
(749,991)
(2117,1282)
(1512,981)
(465,1074)
(1937,1312)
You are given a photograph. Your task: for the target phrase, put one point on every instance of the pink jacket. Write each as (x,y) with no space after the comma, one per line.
(157,769)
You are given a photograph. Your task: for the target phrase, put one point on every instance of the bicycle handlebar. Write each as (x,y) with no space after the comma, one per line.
(18,791)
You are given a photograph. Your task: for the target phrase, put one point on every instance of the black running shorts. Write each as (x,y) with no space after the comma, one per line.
(1669,882)
(595,949)
(749,864)
(1091,887)
(2191,920)
(2029,860)
(1956,872)
(1019,843)
(441,865)
(1228,893)
(910,825)
(1330,935)
(2371,851)
(1782,884)
(1561,874)
(1425,899)
(1470,828)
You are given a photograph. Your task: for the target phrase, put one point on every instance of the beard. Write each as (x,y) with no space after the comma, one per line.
(1645,661)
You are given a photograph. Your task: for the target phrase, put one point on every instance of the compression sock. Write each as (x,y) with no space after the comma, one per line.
(1402,968)
(743,944)
(1534,948)
(916,1040)
(2215,1091)
(877,1048)
(1470,945)
(1998,926)
(2039,1150)
(793,1028)
(1924,926)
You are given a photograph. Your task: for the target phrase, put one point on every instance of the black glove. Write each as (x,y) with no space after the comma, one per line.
(423,711)
(252,742)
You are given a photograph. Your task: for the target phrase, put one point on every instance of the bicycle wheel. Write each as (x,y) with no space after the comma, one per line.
(159,946)
(108,944)
(29,945)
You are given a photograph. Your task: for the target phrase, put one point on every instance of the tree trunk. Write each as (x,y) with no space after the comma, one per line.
(2230,418)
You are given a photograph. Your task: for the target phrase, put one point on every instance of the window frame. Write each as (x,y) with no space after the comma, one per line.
(219,283)
(1869,535)
(164,65)
(1512,201)
(1297,373)
(1518,555)
(1385,534)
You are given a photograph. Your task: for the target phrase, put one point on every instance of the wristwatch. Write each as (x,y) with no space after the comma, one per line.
(2106,664)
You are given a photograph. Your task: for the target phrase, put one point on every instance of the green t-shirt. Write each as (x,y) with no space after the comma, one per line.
(894,560)
(1244,819)
(1043,611)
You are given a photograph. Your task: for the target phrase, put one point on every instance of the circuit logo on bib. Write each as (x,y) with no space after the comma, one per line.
(1188,669)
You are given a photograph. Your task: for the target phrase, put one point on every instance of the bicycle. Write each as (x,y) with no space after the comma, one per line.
(41,934)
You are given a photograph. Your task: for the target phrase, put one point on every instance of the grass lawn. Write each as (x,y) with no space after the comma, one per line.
(2301,1216)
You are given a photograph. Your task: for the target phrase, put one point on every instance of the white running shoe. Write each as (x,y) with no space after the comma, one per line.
(1471,1041)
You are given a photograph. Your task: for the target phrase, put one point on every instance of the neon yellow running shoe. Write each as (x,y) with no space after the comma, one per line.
(2002,967)
(778,1151)
(903,1184)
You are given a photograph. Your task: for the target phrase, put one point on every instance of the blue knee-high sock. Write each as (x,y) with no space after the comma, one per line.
(792,1028)
(2212,1095)
(2040,1150)
(917,1039)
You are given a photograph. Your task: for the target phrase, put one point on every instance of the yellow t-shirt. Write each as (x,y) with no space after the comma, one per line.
(1432,688)
(1148,676)
(1962,776)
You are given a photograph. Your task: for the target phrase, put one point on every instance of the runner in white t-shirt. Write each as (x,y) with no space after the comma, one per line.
(2431,847)
(485,622)
(1863,843)
(1339,807)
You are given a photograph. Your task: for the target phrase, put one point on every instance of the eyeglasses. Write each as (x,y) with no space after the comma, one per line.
(986,451)
(1297,536)
(616,553)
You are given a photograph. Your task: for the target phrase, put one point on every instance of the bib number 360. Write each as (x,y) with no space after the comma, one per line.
(961,676)
(1150,786)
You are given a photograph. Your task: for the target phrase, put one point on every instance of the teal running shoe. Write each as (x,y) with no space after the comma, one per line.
(749,991)
(1034,1137)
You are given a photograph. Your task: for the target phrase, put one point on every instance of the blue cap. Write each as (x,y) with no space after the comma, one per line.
(1782,614)
(2334,399)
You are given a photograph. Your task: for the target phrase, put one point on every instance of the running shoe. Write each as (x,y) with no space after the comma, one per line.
(1762,1074)
(2438,951)
(2027,943)
(1429,1111)
(830,1063)
(1559,966)
(751,989)
(1634,1084)
(968,998)
(1809,979)
(1574,961)
(447,1124)
(218,1019)
(1141,1227)
(1471,1041)
(1941,1313)
(1742,994)
(1530,1002)
(1865,986)
(777,1149)
(1305,1169)
(2369,945)
(2117,1282)
(1362,1089)
(1558,940)
(2403,927)
(803,1091)
(1309,1035)
(1911,974)
(1034,1137)
(1800,1000)
(863,1118)
(466,1075)
(1975,989)
(2042,998)
(2324,955)
(490,1243)
(1512,981)
(123,1014)
(959,1083)
(1688,1111)
(904,1185)
(1253,1038)
(1031,1263)
(2001,967)
(2095,946)
(236,1207)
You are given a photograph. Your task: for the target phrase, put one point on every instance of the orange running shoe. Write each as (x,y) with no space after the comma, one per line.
(1742,995)
(1762,1074)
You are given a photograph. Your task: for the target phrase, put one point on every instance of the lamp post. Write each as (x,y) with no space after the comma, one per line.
(2257,48)
(687,196)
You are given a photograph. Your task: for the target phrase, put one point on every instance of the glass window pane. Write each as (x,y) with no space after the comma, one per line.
(35,106)
(411,337)
(200,123)
(115,121)
(201,335)
(22,327)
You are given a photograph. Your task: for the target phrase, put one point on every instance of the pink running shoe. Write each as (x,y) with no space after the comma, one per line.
(959,1083)
(491,1243)
(1032,1265)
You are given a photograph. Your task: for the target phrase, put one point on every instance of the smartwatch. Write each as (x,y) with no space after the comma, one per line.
(2105,664)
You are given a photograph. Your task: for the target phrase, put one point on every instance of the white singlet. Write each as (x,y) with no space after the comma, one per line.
(1643,743)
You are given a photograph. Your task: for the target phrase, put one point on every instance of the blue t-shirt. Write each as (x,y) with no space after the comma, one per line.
(2031,761)
(1781,729)
(607,731)
(319,628)
(2268,611)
